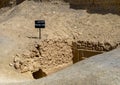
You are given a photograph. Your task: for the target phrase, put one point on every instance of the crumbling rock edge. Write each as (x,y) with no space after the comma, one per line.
(54,55)
(104,67)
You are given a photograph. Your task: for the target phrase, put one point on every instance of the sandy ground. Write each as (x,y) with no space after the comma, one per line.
(17,30)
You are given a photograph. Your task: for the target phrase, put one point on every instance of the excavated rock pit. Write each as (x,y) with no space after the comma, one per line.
(70,36)
(50,56)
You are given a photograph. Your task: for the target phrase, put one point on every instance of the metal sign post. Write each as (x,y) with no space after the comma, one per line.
(39,24)
(39,33)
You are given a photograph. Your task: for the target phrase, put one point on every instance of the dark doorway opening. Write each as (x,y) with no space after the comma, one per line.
(38,74)
(85,49)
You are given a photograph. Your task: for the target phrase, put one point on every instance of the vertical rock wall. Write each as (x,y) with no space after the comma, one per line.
(49,55)
(109,5)
(4,3)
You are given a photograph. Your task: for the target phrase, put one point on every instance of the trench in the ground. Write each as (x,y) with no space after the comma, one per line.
(51,56)
(85,49)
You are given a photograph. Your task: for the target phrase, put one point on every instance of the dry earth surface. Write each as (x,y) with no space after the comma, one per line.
(20,48)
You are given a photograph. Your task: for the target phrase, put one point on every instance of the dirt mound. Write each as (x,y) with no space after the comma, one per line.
(50,56)
(63,27)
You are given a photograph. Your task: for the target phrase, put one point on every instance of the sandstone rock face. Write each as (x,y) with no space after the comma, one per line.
(49,55)
(4,3)
(108,5)
(111,5)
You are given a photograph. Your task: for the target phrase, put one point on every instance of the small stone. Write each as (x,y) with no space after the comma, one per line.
(54,12)
(80,33)
(16,59)
(37,46)
(17,65)
(75,27)
(10,64)
(95,36)
(24,69)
